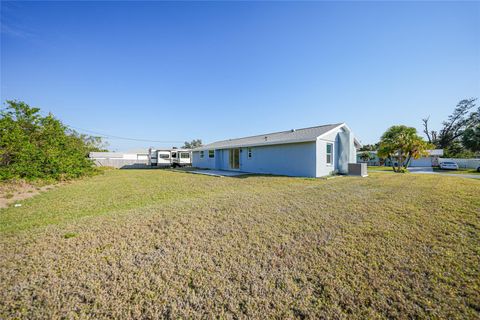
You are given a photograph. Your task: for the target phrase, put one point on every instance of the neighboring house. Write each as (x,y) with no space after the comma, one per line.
(431,160)
(309,152)
(374,159)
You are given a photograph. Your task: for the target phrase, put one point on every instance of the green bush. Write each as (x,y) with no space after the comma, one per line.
(36,147)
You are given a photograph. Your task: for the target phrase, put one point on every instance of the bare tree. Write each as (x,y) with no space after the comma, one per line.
(431,135)
(454,127)
(456,124)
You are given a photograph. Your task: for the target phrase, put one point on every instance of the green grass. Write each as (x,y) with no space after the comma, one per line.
(459,171)
(379,168)
(162,244)
(69,235)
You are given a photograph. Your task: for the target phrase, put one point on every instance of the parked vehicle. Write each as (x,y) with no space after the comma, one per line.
(170,157)
(164,158)
(181,158)
(448,165)
(152,157)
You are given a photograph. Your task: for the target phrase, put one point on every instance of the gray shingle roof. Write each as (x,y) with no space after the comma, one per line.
(290,136)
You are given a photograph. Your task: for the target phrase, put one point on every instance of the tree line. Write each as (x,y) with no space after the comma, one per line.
(33,146)
(459,137)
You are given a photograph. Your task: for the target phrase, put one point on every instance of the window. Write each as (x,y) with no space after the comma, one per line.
(201,154)
(174,155)
(184,155)
(249,152)
(329,153)
(164,156)
(211,153)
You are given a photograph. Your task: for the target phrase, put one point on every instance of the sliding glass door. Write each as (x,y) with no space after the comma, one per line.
(234,158)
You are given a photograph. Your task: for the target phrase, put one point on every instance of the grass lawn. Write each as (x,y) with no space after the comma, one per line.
(459,171)
(379,168)
(157,243)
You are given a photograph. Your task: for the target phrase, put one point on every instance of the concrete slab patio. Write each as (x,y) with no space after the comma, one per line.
(218,173)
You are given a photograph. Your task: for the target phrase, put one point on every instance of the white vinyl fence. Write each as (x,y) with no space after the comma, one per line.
(463,163)
(122,163)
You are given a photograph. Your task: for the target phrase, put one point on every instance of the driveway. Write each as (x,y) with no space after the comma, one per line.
(218,173)
(421,169)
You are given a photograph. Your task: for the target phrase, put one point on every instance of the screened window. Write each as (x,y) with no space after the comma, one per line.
(164,156)
(249,151)
(329,153)
(184,155)
(201,154)
(211,153)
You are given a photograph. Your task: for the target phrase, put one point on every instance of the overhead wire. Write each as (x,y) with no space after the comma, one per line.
(109,136)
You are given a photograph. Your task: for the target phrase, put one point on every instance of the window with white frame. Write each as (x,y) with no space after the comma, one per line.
(211,153)
(201,154)
(329,153)
(249,153)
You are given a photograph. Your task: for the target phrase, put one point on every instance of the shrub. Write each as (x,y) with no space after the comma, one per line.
(36,147)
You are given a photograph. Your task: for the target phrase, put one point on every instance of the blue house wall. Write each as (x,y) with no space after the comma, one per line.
(306,159)
(293,159)
(205,162)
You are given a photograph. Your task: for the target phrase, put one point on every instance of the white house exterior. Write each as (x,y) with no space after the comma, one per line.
(431,160)
(308,152)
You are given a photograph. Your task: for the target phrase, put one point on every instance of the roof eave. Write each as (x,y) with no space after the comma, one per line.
(247,145)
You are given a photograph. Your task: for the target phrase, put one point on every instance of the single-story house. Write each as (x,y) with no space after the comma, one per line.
(308,152)
(374,159)
(431,160)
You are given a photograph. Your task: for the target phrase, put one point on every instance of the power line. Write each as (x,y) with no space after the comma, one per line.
(109,136)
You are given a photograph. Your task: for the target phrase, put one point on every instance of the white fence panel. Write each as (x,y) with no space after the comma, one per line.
(122,163)
(463,163)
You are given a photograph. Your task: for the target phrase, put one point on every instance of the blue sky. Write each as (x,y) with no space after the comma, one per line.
(216,70)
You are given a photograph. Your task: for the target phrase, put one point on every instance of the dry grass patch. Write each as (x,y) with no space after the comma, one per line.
(150,244)
(18,190)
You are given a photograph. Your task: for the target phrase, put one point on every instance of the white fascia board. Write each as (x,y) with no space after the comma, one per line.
(267,143)
(333,129)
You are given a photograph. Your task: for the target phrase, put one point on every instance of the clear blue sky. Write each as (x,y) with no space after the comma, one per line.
(216,70)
